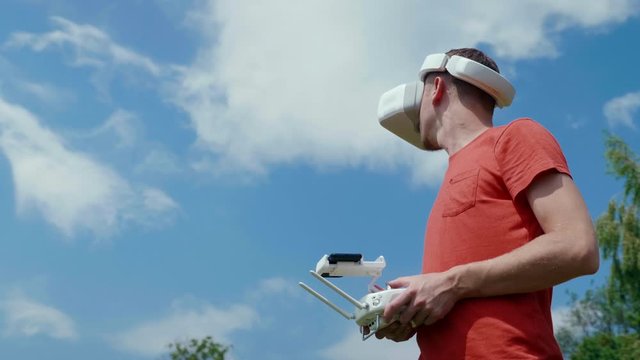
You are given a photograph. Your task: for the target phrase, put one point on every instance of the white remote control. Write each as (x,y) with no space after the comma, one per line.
(369,310)
(371,315)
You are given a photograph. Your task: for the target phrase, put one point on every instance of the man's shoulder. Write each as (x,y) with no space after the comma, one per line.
(500,141)
(515,129)
(521,127)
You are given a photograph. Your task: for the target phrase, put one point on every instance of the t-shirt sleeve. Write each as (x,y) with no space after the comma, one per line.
(523,151)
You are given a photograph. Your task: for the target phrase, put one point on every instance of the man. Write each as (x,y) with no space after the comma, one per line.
(508,224)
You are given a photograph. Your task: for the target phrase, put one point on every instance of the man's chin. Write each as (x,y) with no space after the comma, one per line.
(431,146)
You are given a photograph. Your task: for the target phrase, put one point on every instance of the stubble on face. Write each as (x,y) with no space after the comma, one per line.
(427,133)
(425,126)
(429,143)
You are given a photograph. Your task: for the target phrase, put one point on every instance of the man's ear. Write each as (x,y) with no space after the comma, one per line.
(439,88)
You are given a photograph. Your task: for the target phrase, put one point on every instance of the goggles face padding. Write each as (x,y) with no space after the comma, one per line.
(399,108)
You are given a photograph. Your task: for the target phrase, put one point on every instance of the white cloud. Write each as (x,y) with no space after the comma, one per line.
(620,111)
(70,189)
(276,82)
(528,29)
(351,347)
(185,322)
(278,286)
(159,161)
(47,93)
(193,318)
(121,123)
(92,47)
(157,201)
(575,123)
(127,131)
(122,130)
(561,317)
(14,83)
(26,317)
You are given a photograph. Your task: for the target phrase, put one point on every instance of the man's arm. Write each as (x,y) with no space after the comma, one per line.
(567,249)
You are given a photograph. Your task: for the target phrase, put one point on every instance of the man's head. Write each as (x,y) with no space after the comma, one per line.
(466,92)
(443,92)
(455,95)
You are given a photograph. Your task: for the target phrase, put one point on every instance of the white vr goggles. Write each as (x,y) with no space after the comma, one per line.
(399,108)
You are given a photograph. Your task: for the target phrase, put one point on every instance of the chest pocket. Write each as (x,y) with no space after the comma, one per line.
(461,190)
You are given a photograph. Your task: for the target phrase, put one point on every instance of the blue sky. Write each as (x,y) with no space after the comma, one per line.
(173,169)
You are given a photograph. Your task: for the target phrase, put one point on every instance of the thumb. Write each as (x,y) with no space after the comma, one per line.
(399,282)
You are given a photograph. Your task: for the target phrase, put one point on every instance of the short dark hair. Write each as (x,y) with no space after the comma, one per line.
(466,90)
(475,55)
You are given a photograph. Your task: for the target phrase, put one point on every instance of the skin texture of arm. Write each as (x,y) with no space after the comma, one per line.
(567,249)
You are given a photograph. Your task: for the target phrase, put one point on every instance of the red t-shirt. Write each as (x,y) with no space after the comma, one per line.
(480,213)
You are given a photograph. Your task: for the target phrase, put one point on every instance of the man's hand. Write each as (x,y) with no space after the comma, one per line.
(427,299)
(396,332)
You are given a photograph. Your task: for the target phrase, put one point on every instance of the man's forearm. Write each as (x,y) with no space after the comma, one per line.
(542,263)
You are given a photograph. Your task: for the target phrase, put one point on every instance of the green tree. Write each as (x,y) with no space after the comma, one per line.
(194,349)
(605,323)
(609,347)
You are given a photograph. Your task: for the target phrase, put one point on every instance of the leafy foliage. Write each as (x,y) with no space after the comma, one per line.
(619,235)
(605,324)
(204,349)
(607,346)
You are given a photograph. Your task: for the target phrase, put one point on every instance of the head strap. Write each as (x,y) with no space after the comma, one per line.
(472,72)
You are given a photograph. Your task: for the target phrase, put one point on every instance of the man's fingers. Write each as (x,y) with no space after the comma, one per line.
(407,314)
(403,333)
(399,282)
(384,332)
(395,305)
(430,320)
(396,332)
(420,318)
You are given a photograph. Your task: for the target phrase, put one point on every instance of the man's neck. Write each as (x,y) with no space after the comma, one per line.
(459,128)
